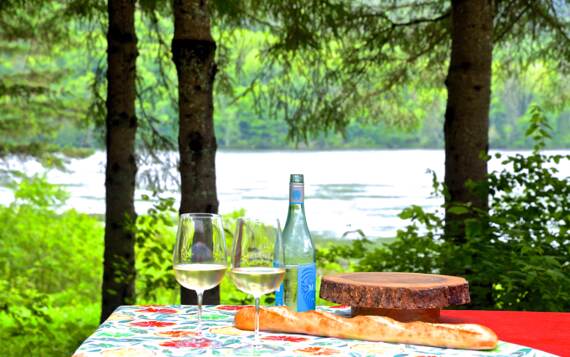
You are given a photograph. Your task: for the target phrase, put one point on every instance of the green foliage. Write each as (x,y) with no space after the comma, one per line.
(345,61)
(516,257)
(53,331)
(54,251)
(51,267)
(337,257)
(52,91)
(44,76)
(413,249)
(249,99)
(529,223)
(155,237)
(37,192)
(286,69)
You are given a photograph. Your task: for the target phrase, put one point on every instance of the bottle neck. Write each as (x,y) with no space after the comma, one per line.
(296,194)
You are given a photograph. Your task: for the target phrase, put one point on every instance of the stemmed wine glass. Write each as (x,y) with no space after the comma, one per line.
(257,261)
(200,259)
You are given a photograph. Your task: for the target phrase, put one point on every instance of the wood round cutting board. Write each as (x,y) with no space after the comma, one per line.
(402,296)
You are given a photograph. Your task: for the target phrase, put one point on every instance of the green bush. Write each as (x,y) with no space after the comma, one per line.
(155,237)
(516,256)
(50,266)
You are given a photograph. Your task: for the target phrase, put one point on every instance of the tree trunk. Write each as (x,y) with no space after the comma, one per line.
(193,50)
(121,124)
(467,113)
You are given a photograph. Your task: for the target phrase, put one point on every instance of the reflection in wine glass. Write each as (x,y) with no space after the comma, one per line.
(200,259)
(257,261)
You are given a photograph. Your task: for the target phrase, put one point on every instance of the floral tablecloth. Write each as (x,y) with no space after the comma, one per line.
(146,331)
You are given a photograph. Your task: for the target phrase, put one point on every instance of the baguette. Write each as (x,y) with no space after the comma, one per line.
(369,328)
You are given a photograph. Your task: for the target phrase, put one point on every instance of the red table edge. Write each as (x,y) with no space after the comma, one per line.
(545,331)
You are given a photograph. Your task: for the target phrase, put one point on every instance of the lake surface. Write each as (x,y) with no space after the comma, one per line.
(344,190)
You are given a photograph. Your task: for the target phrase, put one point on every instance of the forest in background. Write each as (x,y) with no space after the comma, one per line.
(65,106)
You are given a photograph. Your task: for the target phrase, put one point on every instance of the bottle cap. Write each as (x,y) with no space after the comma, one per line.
(297,178)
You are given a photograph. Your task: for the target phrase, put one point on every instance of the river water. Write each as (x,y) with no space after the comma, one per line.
(344,190)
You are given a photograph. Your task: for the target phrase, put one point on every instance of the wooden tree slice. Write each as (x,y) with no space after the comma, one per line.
(404,296)
(404,315)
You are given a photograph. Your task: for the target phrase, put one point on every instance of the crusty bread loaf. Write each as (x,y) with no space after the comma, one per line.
(369,328)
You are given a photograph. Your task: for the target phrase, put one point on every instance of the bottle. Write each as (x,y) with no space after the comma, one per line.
(298,289)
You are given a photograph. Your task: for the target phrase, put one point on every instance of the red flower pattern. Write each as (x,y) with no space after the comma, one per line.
(318,351)
(230,307)
(285,338)
(197,343)
(152,323)
(158,310)
(177,333)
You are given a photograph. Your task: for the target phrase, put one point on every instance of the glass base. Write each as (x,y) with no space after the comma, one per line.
(256,350)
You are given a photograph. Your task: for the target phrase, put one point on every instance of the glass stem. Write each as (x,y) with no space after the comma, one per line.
(256,338)
(200,295)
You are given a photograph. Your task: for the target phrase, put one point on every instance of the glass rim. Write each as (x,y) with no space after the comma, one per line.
(200,215)
(258,220)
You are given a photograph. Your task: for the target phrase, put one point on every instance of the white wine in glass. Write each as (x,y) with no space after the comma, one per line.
(200,259)
(258,281)
(257,261)
(199,276)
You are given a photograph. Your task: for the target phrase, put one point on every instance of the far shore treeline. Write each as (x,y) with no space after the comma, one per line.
(62,86)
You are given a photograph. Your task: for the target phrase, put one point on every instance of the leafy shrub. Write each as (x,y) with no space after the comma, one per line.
(155,237)
(516,256)
(50,266)
(54,252)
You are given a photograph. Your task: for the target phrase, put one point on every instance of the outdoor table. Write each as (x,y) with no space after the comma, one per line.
(166,331)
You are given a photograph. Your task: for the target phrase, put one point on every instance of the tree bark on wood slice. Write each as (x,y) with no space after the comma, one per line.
(417,296)
(403,315)
(193,53)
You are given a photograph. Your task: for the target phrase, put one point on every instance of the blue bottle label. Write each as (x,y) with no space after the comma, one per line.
(296,194)
(306,286)
(279,296)
(279,293)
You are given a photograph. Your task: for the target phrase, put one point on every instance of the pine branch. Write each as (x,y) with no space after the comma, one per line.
(158,141)
(552,21)
(508,28)
(413,22)
(163,48)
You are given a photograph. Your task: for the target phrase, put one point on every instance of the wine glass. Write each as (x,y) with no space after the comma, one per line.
(257,261)
(200,259)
